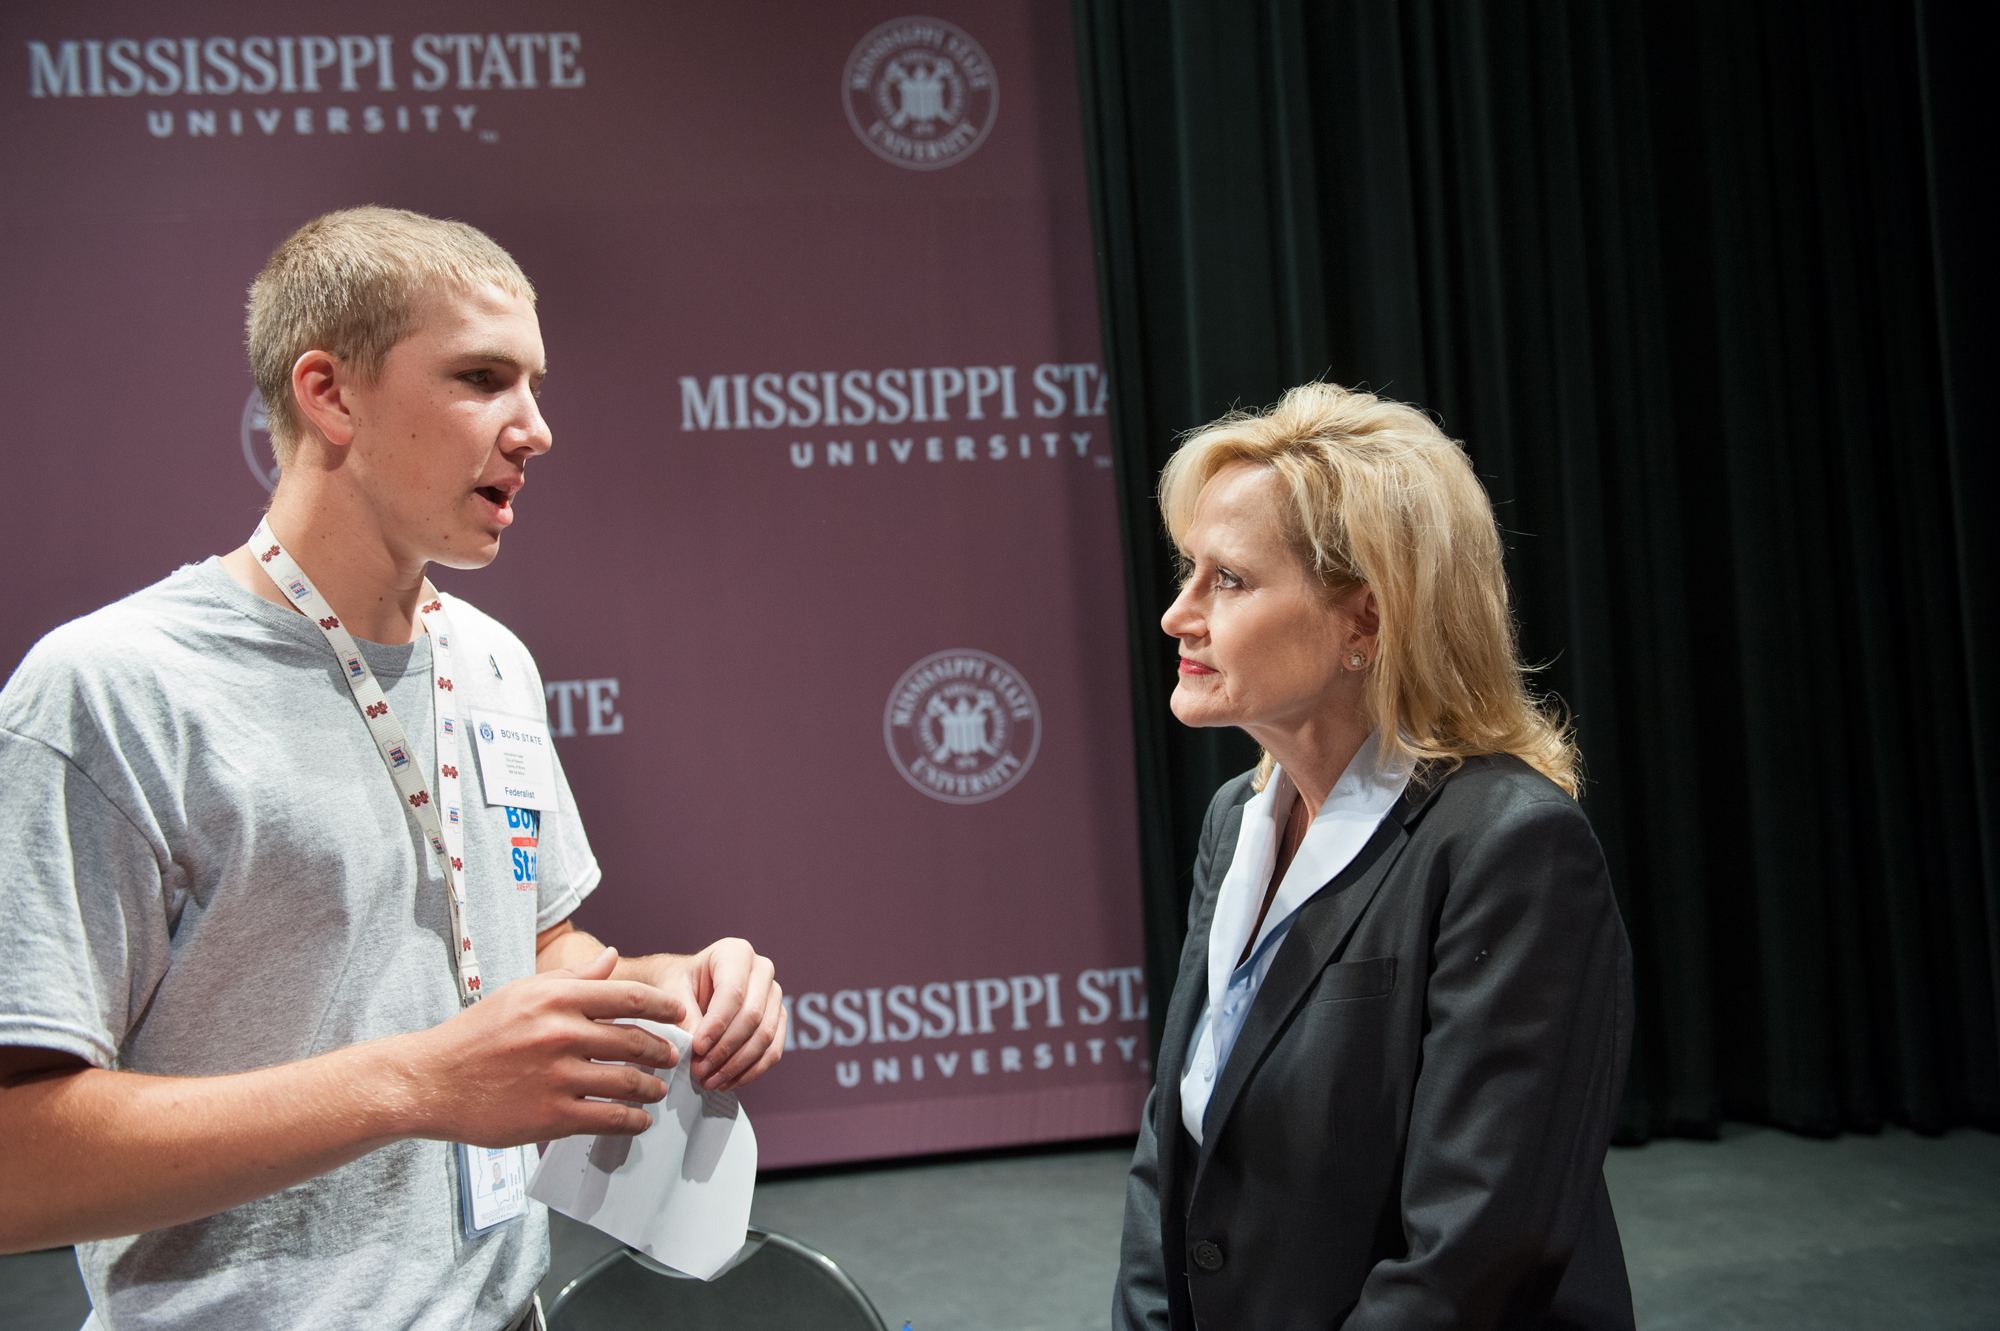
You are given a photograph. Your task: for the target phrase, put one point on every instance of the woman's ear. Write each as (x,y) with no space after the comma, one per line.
(319,390)
(1364,617)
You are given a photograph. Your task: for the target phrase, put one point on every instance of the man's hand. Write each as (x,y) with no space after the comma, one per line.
(736,1009)
(540,1059)
(739,1033)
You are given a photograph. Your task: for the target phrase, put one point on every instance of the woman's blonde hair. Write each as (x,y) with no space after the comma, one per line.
(1382,497)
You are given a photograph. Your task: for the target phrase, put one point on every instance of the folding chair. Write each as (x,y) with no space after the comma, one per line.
(779,1285)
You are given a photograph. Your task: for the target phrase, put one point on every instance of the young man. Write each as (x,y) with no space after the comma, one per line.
(275,974)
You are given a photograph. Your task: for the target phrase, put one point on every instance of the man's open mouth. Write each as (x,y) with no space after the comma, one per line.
(493,494)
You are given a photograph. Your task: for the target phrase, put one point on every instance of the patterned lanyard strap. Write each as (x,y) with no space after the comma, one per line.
(446,835)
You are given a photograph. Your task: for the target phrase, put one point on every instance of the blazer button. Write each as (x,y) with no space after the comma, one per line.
(1207,1256)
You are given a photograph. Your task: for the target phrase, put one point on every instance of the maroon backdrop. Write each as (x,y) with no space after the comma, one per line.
(850,687)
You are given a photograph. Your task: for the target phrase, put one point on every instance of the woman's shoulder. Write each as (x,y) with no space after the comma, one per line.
(1503,847)
(1496,809)
(1228,800)
(1495,789)
(1239,789)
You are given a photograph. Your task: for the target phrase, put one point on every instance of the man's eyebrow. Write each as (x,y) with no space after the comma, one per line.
(510,360)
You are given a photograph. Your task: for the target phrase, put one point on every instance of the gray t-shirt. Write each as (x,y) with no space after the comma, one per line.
(209,870)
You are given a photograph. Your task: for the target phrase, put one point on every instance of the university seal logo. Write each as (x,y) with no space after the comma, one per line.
(920,93)
(962,726)
(257,442)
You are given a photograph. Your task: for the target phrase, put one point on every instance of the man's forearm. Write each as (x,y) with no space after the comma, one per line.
(93,1154)
(566,947)
(86,1153)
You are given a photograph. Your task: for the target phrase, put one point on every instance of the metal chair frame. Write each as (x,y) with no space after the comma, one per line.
(753,1243)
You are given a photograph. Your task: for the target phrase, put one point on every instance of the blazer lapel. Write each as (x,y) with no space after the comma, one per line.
(1190,993)
(1322,929)
(1191,990)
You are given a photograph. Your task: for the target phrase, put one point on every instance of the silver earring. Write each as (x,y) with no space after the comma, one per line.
(1357,660)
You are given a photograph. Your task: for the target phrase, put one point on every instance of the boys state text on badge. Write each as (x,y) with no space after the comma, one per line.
(517,765)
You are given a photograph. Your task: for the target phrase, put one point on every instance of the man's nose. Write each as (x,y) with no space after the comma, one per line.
(536,433)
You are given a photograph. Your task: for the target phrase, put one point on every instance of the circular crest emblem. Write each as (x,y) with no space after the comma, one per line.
(962,726)
(920,93)
(257,442)
(486,732)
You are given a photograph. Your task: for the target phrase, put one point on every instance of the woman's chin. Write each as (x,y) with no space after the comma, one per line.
(1199,704)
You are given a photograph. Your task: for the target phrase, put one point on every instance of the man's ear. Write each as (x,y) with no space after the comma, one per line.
(319,382)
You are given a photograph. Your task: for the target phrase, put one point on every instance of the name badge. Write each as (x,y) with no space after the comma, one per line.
(492,1186)
(517,764)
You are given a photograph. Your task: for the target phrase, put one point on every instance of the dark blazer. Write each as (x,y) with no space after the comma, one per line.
(1410,1130)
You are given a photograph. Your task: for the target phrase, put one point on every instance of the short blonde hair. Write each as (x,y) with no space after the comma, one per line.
(350,284)
(1382,497)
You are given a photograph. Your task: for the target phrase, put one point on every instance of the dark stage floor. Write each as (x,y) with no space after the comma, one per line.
(1760,1230)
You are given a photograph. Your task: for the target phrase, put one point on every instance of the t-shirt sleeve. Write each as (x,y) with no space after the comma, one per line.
(568,868)
(83,919)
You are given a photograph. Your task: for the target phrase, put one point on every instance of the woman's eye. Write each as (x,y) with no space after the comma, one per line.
(1224,578)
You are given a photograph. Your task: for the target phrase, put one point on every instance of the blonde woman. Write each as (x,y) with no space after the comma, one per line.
(1404,1008)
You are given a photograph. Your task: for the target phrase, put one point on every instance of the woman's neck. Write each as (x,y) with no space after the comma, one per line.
(1315,753)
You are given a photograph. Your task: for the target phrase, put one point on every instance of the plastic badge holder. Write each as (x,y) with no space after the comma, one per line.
(489,1192)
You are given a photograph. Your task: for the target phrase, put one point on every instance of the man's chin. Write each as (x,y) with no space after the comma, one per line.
(476,553)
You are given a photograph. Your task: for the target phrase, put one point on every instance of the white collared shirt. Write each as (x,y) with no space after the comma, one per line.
(1366,791)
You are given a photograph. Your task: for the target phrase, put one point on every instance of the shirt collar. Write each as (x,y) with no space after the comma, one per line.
(1366,790)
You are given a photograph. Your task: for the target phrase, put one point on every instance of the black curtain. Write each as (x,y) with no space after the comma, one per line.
(1706,289)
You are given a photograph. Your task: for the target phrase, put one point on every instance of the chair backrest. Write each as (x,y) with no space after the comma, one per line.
(781,1285)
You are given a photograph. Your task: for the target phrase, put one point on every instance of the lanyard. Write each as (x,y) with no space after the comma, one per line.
(446,835)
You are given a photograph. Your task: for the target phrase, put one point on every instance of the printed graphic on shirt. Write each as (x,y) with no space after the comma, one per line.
(526,827)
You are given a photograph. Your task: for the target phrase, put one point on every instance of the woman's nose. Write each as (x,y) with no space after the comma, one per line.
(1180,621)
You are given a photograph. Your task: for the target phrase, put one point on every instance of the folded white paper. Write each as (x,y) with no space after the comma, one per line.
(679,1191)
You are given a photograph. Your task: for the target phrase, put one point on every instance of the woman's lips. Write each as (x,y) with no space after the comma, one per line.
(1192,667)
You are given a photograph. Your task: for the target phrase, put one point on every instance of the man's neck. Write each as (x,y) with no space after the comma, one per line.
(375,593)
